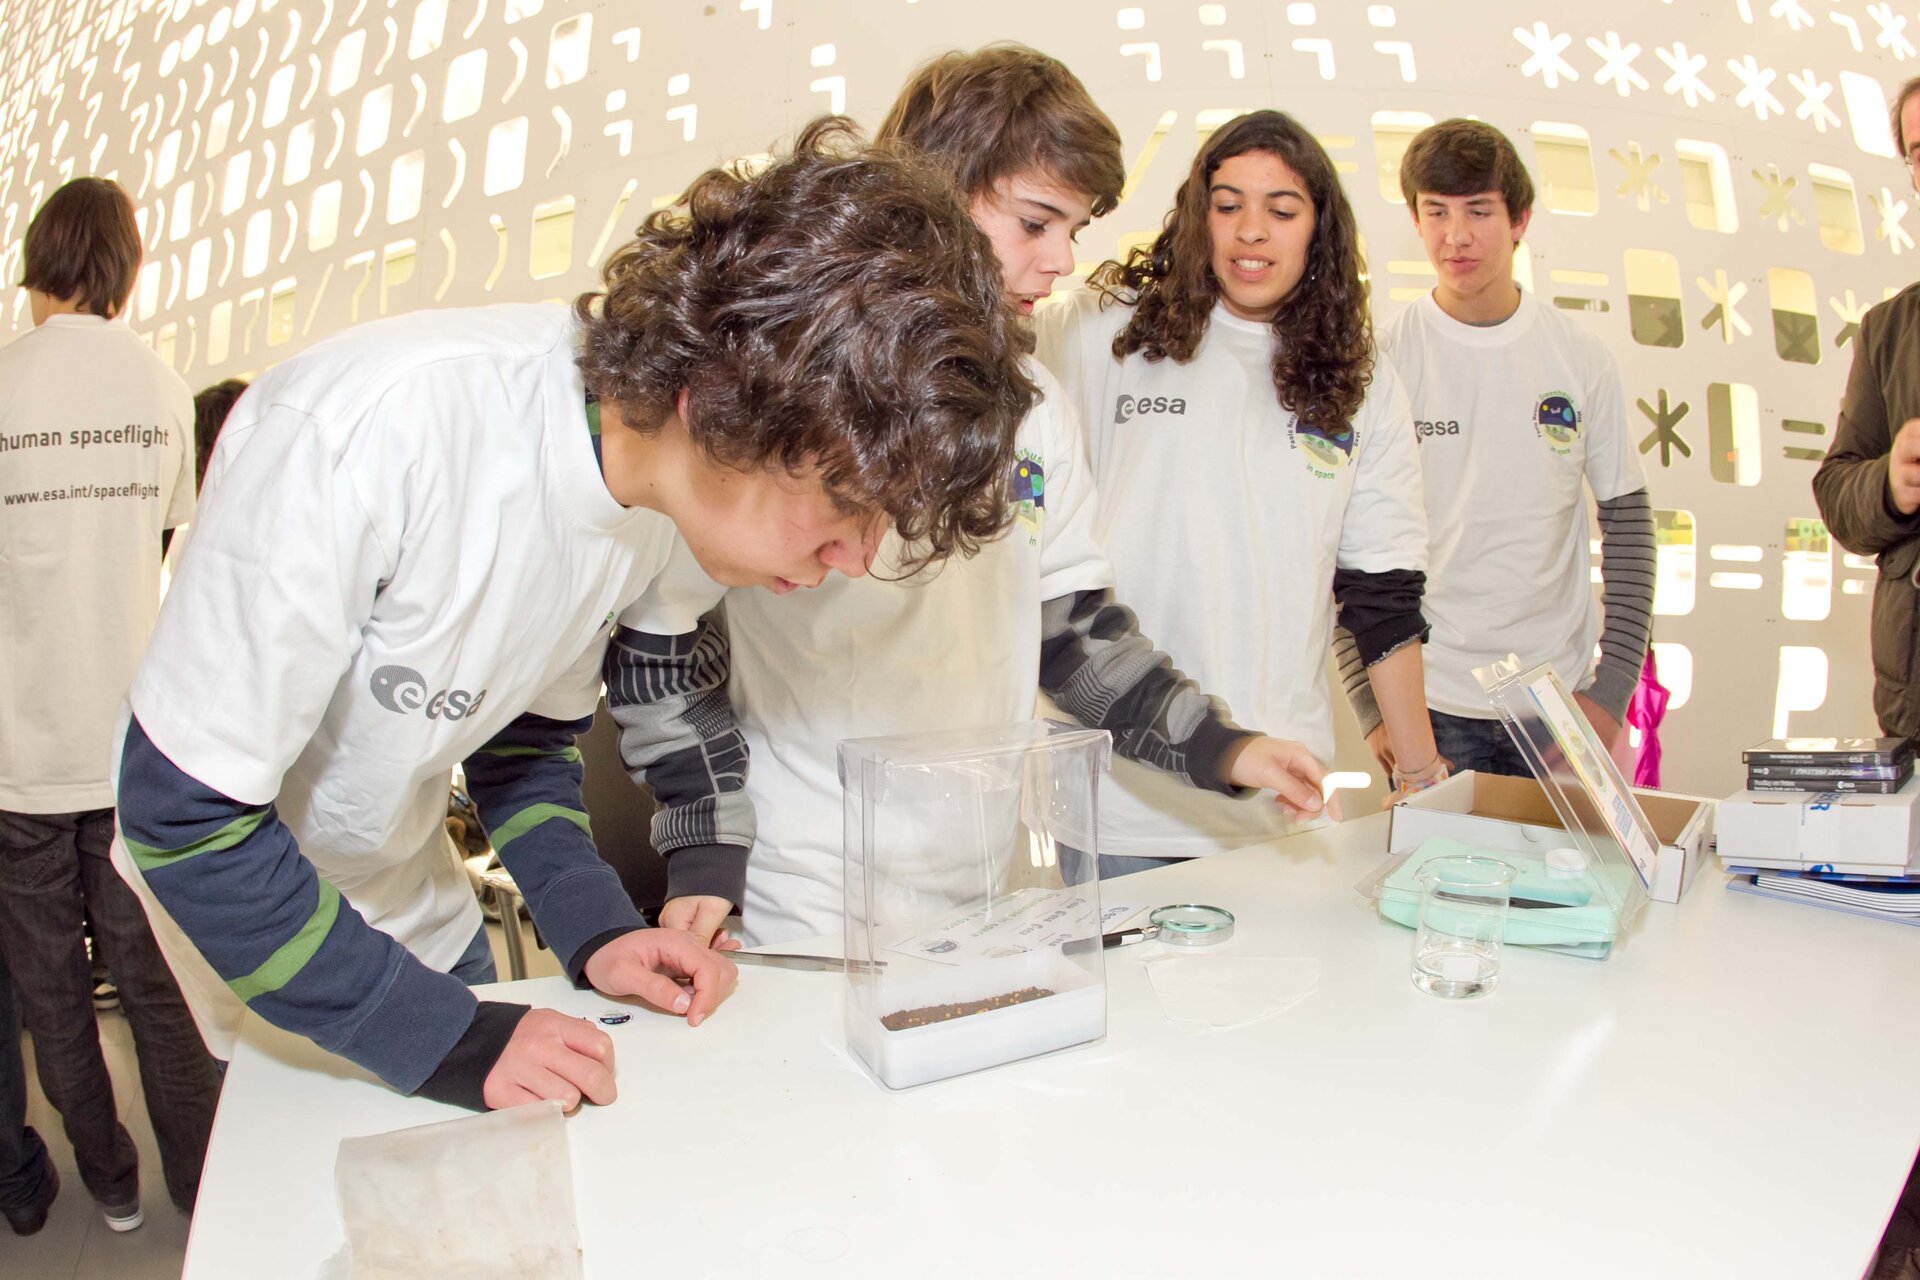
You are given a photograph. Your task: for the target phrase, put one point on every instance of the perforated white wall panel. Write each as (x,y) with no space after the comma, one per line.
(1719,202)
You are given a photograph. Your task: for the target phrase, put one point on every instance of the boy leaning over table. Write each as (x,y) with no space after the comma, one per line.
(417,538)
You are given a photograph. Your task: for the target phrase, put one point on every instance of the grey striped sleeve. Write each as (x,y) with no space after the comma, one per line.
(1627,571)
(1353,678)
(677,735)
(1099,669)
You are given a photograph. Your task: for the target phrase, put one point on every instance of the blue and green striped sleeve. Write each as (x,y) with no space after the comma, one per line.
(233,878)
(526,781)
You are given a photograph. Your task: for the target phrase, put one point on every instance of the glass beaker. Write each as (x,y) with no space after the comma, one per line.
(1463,920)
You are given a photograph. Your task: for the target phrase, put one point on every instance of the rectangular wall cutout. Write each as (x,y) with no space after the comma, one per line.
(1653,298)
(1836,209)
(1796,315)
(1563,166)
(1733,433)
(1707,184)
(1392,131)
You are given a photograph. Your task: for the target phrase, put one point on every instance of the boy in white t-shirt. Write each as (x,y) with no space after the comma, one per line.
(96,463)
(972,644)
(417,538)
(1519,414)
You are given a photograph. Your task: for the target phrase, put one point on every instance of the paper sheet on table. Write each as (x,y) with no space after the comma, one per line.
(1199,993)
(488,1197)
(1030,920)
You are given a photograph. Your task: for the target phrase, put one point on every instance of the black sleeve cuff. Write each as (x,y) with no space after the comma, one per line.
(708,871)
(1382,610)
(577,965)
(461,1077)
(1206,751)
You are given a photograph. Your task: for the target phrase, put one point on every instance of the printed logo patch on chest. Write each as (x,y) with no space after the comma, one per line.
(1327,453)
(403,690)
(1556,419)
(1029,493)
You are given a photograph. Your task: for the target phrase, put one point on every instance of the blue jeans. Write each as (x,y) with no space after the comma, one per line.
(55,874)
(476,966)
(25,1169)
(1484,746)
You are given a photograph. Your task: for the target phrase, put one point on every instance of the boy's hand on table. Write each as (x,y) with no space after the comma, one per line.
(647,962)
(1282,766)
(552,1057)
(701,917)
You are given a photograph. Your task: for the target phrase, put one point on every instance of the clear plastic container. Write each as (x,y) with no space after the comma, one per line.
(973,896)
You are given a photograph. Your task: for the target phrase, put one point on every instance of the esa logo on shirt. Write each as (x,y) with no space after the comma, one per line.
(1422,429)
(1029,493)
(402,689)
(1127,407)
(1557,421)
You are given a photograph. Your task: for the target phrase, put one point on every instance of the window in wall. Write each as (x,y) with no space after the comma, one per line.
(166,342)
(1706,182)
(518,9)
(1392,131)
(1675,663)
(1733,433)
(146,291)
(299,161)
(219,333)
(1867,111)
(1674,560)
(166,160)
(1802,685)
(199,263)
(1654,310)
(466,83)
(568,50)
(323,216)
(376,121)
(506,156)
(279,96)
(397,262)
(344,73)
(1806,430)
(280,304)
(180,225)
(1836,210)
(1563,165)
(257,244)
(1796,321)
(429,26)
(234,193)
(219,126)
(405,182)
(550,250)
(1806,581)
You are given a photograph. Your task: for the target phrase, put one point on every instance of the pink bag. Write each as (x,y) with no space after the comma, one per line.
(1645,710)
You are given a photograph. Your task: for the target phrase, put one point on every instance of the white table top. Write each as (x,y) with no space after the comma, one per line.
(1731,1094)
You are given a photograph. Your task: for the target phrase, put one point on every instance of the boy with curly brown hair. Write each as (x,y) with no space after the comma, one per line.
(417,538)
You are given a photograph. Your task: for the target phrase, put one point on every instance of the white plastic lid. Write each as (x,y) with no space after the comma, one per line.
(1565,861)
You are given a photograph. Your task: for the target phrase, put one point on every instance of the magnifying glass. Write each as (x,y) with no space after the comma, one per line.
(1182,924)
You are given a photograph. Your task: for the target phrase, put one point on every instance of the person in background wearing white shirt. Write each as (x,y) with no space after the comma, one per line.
(1255,463)
(96,462)
(1519,414)
(971,644)
(418,535)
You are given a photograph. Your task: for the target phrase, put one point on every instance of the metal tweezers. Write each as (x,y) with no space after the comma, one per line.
(785,960)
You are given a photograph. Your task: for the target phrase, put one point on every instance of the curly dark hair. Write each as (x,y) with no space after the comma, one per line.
(1323,353)
(839,310)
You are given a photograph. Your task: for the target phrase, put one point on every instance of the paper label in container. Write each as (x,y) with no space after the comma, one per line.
(1614,807)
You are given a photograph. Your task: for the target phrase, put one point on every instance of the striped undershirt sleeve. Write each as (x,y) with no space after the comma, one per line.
(1098,668)
(1627,571)
(233,878)
(526,781)
(678,736)
(1353,678)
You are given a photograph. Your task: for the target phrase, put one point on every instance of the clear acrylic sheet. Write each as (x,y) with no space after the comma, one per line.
(487,1197)
(1199,993)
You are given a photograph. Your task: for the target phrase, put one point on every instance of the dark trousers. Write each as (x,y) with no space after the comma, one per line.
(25,1169)
(54,874)
(1481,745)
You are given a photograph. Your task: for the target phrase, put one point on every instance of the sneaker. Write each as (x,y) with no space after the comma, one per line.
(27,1221)
(123,1217)
(105,994)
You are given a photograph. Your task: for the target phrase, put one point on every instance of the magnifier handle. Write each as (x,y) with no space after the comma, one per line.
(1127,937)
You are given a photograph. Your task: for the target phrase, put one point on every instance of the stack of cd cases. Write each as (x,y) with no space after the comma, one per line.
(1874,766)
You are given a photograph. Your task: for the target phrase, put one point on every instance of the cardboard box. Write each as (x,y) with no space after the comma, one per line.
(1498,812)
(1851,834)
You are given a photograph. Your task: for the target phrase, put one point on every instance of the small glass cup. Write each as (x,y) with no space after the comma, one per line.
(1463,921)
